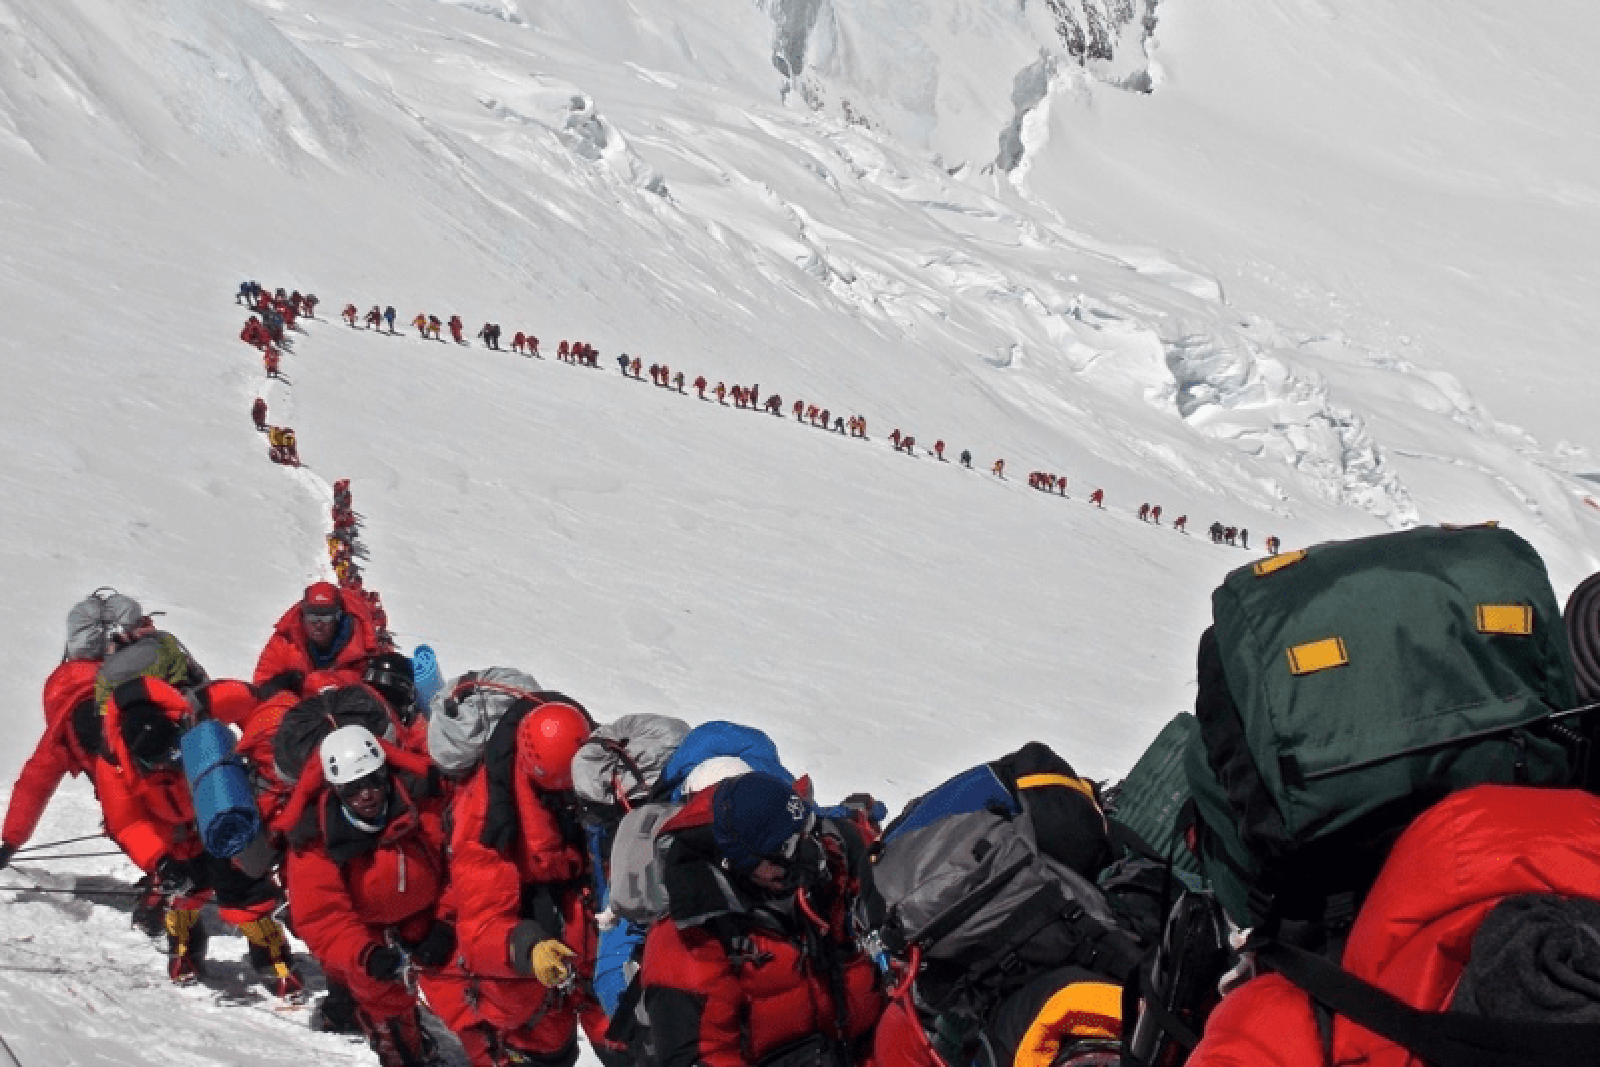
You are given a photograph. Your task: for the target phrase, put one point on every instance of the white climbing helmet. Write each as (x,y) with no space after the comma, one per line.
(712,771)
(349,753)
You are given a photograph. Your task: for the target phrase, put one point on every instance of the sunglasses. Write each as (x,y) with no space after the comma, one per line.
(321,615)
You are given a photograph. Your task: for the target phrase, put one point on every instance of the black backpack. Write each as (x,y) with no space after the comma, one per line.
(314,718)
(1177,987)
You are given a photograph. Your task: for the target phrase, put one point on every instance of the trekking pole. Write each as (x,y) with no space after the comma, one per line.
(7,1046)
(74,855)
(63,841)
(36,970)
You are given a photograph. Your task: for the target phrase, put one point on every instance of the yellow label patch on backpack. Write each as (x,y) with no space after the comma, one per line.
(1514,619)
(1316,656)
(1277,563)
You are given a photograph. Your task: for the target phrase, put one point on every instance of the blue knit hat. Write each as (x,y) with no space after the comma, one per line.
(752,816)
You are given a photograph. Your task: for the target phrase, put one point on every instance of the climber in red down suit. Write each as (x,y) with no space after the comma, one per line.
(330,630)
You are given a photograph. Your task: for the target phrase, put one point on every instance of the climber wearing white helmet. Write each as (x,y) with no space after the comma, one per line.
(366,875)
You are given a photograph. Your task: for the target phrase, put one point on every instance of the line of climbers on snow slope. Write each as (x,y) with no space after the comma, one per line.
(274,313)
(1376,840)
(582,353)
(279,312)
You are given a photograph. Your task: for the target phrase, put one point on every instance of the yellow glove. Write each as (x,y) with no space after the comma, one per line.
(550,964)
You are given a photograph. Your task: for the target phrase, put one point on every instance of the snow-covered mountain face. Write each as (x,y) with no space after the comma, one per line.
(951,216)
(1317,268)
(920,177)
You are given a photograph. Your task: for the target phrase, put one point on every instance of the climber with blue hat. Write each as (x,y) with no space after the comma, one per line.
(759,954)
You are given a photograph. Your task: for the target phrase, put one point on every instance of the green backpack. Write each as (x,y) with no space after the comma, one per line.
(1152,799)
(1346,687)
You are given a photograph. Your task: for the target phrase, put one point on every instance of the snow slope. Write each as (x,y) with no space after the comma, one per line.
(1166,294)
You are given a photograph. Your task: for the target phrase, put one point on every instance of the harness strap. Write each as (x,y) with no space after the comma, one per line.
(1443,1039)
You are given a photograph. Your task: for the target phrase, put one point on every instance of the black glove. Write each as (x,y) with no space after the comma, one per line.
(6,852)
(437,947)
(291,680)
(386,964)
(175,877)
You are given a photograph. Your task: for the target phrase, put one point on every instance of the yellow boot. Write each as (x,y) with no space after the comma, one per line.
(269,954)
(186,945)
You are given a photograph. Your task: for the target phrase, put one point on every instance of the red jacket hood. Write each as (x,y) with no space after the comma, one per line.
(1455,863)
(696,812)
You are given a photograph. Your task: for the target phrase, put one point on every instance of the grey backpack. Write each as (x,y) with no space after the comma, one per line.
(623,760)
(962,883)
(95,619)
(463,714)
(637,891)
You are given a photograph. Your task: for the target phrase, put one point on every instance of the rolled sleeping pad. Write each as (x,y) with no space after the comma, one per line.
(224,805)
(429,678)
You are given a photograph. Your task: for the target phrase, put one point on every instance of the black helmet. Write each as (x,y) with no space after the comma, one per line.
(392,675)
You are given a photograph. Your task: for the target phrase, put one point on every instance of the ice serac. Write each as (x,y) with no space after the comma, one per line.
(1277,410)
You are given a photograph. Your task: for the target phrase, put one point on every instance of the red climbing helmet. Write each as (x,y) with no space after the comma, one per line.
(547,740)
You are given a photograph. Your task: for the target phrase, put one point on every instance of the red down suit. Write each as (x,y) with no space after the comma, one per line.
(519,874)
(58,753)
(1413,937)
(288,649)
(350,889)
(149,814)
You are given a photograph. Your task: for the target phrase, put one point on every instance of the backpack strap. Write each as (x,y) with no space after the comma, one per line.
(1096,946)
(1443,1039)
(1090,943)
